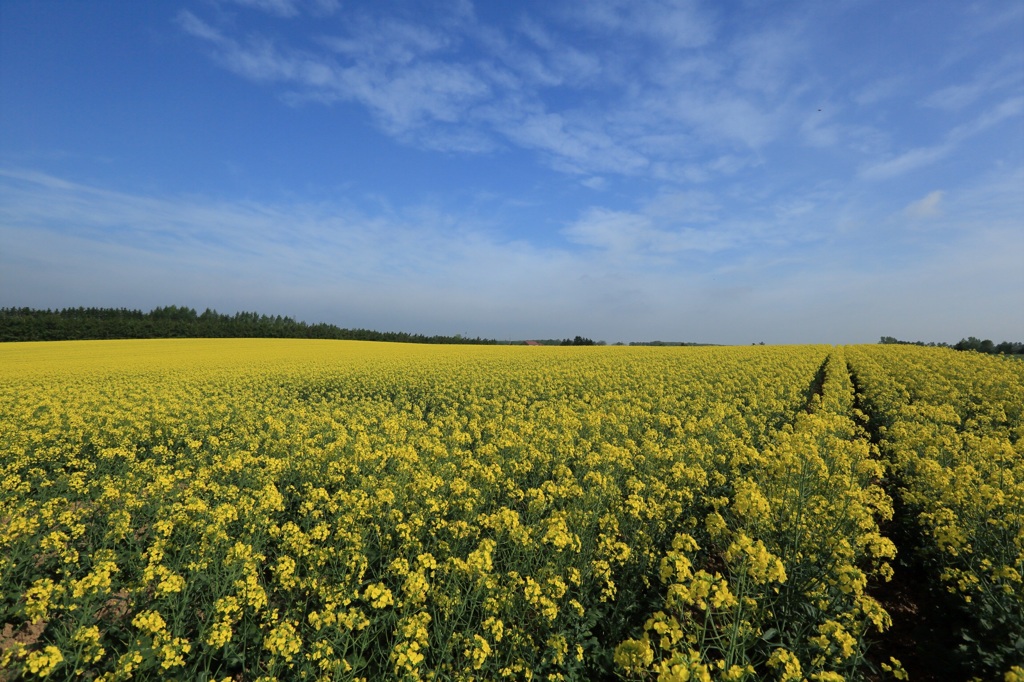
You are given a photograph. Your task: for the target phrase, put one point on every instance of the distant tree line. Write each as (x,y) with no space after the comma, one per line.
(669,343)
(578,341)
(970,343)
(69,324)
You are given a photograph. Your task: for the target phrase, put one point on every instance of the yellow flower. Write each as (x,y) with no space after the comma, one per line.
(478,651)
(89,639)
(218,635)
(285,570)
(173,653)
(496,627)
(378,595)
(39,597)
(170,583)
(44,662)
(786,665)
(415,588)
(895,668)
(559,646)
(150,621)
(283,640)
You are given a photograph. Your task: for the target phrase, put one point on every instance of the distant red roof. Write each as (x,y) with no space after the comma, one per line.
(531,343)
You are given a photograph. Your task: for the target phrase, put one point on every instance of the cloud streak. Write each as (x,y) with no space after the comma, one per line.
(673,98)
(459,84)
(924,156)
(291,8)
(676,169)
(926,207)
(623,275)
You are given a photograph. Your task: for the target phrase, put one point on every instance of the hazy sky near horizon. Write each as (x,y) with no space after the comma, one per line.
(725,172)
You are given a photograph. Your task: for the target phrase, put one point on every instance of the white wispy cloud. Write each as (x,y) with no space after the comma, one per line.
(989,18)
(925,207)
(458,84)
(830,128)
(618,231)
(416,96)
(389,41)
(1008,108)
(284,8)
(195,26)
(673,23)
(291,8)
(790,272)
(258,59)
(418,265)
(879,90)
(956,136)
(906,162)
(670,227)
(992,80)
(766,60)
(546,60)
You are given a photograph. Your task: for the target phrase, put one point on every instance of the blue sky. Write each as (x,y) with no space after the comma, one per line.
(724,172)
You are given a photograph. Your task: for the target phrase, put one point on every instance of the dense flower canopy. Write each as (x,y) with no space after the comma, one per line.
(345,510)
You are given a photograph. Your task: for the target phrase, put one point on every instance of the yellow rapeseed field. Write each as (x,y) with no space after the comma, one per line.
(294,509)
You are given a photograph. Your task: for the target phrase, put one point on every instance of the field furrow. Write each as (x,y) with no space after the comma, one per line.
(950,427)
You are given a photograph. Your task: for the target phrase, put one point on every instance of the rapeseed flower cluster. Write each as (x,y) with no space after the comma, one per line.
(952,429)
(343,510)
